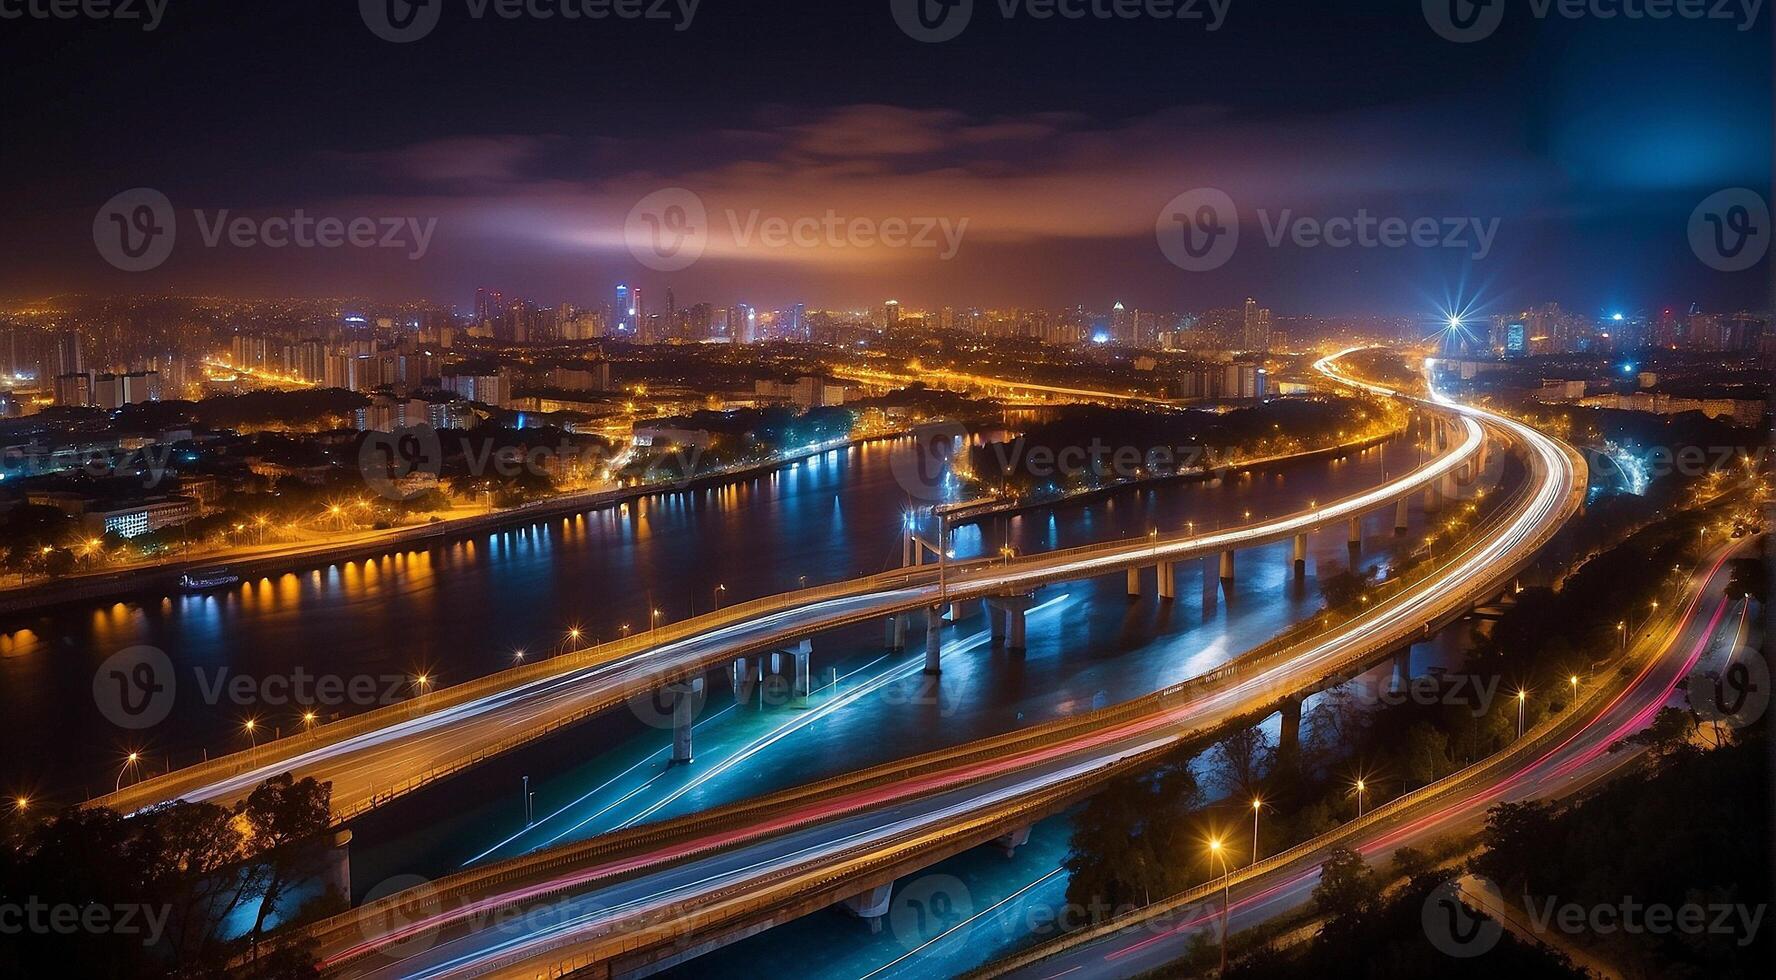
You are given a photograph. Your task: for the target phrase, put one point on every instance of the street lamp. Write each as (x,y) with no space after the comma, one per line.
(719,589)
(1257,805)
(517,657)
(308,719)
(1216,853)
(654,624)
(128,764)
(1622,636)
(21,803)
(1360,787)
(421,682)
(1522,699)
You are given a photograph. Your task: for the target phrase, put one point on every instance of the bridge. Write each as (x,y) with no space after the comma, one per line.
(634,902)
(381,754)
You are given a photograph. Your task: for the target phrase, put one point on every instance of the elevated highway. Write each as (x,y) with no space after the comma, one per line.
(631,903)
(378,755)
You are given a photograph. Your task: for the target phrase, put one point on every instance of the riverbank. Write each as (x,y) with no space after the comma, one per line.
(164,575)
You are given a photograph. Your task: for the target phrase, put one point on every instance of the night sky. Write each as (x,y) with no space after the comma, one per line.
(1591,142)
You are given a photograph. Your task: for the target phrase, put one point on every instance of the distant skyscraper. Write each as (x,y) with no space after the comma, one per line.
(891,317)
(624,314)
(799,322)
(1257,327)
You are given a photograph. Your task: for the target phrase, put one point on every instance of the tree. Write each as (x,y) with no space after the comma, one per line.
(1426,753)
(1348,890)
(282,816)
(1243,757)
(1346,588)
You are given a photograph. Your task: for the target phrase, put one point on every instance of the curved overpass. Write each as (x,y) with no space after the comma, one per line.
(376,756)
(631,901)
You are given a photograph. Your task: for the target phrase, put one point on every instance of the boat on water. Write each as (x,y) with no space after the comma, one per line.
(204,579)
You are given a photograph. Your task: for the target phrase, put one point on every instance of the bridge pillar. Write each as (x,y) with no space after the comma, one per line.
(955,612)
(906,548)
(685,696)
(1401,513)
(1009,843)
(1227,566)
(1356,532)
(897,631)
(745,674)
(1168,581)
(934,640)
(1134,583)
(796,660)
(872,905)
(1301,555)
(996,617)
(1402,669)
(1289,740)
(1014,609)
(1433,497)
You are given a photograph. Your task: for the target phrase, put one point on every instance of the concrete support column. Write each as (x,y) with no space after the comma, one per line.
(1401,514)
(996,617)
(1433,497)
(1134,583)
(897,631)
(1289,740)
(1014,639)
(1009,843)
(745,674)
(1301,555)
(934,640)
(906,548)
(1402,669)
(1168,581)
(1227,566)
(955,612)
(872,905)
(1012,610)
(686,697)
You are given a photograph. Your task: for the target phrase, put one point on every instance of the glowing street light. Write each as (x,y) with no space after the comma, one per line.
(1257,806)
(1361,786)
(128,764)
(21,803)
(1216,853)
(719,589)
(1522,700)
